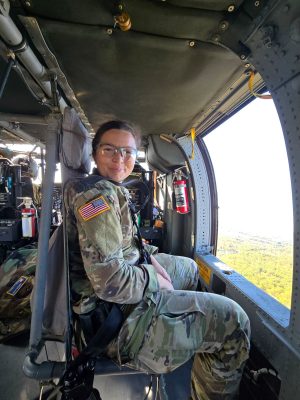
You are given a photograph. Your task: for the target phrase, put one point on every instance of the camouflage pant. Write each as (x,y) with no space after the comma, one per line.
(212,327)
(182,270)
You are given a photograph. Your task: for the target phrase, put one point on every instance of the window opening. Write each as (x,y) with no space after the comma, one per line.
(254,197)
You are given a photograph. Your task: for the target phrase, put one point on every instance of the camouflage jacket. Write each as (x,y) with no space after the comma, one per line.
(103,248)
(16,284)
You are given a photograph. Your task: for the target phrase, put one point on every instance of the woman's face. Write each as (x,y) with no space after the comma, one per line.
(115,166)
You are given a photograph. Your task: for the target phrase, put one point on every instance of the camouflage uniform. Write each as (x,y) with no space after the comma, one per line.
(16,284)
(163,329)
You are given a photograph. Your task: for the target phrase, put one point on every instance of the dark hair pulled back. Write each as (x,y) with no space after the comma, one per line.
(115,124)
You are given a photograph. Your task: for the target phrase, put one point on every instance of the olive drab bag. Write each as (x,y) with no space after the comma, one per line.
(16,284)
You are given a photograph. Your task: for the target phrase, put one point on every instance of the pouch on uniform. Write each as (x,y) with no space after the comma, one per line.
(16,284)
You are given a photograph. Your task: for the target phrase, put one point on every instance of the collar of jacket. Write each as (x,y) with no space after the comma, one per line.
(96,172)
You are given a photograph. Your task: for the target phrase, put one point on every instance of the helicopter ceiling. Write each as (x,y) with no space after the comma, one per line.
(179,65)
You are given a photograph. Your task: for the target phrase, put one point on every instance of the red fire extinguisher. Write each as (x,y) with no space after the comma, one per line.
(181,193)
(28,218)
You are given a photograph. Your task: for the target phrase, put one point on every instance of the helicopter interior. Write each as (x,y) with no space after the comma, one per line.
(177,69)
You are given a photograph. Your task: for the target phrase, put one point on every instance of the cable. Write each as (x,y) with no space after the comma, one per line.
(55,392)
(157,387)
(41,393)
(250,86)
(52,393)
(150,387)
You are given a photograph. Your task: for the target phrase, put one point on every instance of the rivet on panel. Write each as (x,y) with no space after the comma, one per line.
(231,8)
(242,56)
(216,38)
(257,3)
(192,43)
(267,42)
(109,31)
(223,25)
(247,65)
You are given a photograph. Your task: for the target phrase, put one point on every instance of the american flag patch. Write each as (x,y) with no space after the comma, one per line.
(93,208)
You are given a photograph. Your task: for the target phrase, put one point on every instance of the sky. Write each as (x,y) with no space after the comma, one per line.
(252,174)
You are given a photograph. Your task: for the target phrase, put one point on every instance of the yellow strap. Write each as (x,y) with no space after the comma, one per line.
(193,137)
(250,86)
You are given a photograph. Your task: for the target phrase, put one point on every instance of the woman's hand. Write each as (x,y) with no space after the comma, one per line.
(163,283)
(163,277)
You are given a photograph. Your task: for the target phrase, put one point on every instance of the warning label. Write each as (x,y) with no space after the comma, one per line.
(204,272)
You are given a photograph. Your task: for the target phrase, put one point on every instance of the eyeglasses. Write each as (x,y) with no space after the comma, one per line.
(109,150)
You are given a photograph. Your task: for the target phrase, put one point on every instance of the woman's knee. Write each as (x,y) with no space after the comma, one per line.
(194,274)
(182,270)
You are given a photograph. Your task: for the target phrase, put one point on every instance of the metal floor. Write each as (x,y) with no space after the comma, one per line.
(15,386)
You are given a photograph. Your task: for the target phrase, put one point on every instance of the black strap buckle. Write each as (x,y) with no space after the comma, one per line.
(78,383)
(145,257)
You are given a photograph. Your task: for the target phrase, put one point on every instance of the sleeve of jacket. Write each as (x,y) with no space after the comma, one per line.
(150,248)
(100,238)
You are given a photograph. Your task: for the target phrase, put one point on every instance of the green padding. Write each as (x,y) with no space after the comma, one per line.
(158,82)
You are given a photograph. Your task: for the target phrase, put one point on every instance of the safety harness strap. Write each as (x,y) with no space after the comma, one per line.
(77,382)
(144,255)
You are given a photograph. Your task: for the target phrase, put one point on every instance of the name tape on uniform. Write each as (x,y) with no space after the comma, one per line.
(17,286)
(93,208)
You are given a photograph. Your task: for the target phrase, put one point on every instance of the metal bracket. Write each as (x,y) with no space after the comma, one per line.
(54,92)
(6,74)
(20,47)
(205,250)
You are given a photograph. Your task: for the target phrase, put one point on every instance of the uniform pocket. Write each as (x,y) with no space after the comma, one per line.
(167,345)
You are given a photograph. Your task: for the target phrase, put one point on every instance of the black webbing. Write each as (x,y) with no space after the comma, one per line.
(108,330)
(145,256)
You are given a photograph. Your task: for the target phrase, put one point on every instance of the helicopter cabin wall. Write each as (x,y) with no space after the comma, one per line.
(277,44)
(166,157)
(179,236)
